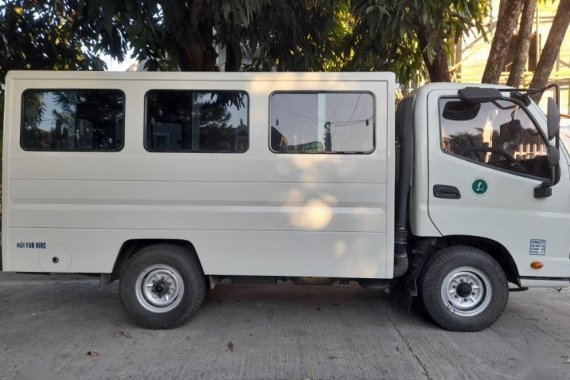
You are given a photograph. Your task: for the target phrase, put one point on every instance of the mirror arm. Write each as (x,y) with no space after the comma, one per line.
(556,90)
(533,91)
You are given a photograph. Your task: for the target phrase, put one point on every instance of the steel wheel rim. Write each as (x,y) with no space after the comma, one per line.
(159,288)
(466,291)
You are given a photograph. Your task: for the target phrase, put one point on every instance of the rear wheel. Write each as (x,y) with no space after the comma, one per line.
(162,286)
(463,289)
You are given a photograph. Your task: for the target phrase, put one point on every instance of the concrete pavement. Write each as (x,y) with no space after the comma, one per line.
(70,327)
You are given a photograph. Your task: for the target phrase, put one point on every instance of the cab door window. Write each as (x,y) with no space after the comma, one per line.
(500,135)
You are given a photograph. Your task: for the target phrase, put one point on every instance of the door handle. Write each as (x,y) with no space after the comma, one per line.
(446,192)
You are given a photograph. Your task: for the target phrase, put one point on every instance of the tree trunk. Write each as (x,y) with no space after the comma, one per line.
(193,52)
(195,58)
(523,45)
(506,23)
(552,46)
(438,67)
(199,55)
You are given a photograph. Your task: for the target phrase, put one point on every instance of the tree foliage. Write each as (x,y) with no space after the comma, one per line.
(167,35)
(413,38)
(406,36)
(47,35)
(297,35)
(409,37)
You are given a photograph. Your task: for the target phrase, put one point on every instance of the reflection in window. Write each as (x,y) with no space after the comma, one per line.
(322,122)
(197,121)
(73,120)
(498,134)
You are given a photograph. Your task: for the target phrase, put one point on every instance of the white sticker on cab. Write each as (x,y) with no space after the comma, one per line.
(537,247)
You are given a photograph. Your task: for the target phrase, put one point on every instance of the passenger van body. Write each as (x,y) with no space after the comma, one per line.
(272,175)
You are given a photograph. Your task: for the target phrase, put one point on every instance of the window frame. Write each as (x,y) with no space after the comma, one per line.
(118,149)
(522,107)
(305,92)
(145,129)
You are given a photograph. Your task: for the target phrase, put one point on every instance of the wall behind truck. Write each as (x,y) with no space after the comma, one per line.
(252,213)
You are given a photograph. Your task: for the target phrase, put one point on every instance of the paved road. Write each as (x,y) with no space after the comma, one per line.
(48,324)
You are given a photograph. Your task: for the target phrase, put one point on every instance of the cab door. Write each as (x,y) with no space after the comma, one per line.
(484,163)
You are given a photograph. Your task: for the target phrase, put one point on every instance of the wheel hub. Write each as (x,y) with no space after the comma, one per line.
(463,289)
(466,291)
(159,288)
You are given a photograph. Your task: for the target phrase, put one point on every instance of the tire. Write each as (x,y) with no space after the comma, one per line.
(162,286)
(463,289)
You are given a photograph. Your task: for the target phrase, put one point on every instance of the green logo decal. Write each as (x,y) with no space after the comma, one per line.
(480,186)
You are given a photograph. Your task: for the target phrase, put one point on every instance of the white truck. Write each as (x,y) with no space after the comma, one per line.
(171,182)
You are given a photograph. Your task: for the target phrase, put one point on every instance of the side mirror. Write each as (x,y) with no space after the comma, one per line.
(552,119)
(553,156)
(545,189)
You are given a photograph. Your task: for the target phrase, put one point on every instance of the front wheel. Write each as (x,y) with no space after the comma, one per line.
(162,286)
(464,289)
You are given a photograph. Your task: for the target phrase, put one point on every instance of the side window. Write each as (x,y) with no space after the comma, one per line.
(498,134)
(197,121)
(73,120)
(324,122)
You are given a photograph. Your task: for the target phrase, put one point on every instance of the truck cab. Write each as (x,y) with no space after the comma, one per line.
(489,176)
